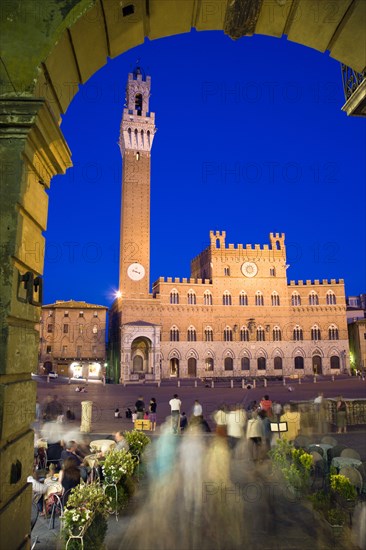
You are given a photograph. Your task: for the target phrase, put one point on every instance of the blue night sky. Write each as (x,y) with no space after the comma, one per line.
(251,139)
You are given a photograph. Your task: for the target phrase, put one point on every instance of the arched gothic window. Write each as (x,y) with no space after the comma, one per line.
(333,332)
(313,298)
(259,298)
(191,296)
(226,298)
(208,334)
(244,334)
(174,296)
(174,334)
(207,298)
(298,333)
(191,334)
(228,334)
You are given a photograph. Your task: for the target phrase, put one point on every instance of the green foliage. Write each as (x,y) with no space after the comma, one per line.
(320,501)
(122,497)
(295,464)
(86,504)
(94,535)
(342,486)
(137,441)
(117,464)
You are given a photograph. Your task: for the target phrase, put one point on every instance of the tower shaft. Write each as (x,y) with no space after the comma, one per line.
(136,137)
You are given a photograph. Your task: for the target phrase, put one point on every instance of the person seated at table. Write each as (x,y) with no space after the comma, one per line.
(121,442)
(69,477)
(51,472)
(116,413)
(39,489)
(54,451)
(72,452)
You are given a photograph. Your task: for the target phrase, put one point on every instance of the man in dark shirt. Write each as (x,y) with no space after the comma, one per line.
(53,409)
(54,451)
(140,407)
(71,451)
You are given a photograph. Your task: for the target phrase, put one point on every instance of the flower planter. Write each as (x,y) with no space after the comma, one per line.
(336,532)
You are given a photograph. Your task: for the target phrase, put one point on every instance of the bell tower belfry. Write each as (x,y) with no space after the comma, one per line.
(135,141)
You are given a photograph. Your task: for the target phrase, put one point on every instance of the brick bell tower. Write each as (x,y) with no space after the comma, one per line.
(136,137)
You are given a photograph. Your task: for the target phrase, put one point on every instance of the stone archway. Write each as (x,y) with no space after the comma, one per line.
(140,351)
(38,85)
(317,364)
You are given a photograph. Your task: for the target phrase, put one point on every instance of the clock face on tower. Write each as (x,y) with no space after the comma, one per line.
(249,269)
(136,271)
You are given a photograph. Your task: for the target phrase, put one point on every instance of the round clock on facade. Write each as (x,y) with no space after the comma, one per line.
(249,269)
(136,271)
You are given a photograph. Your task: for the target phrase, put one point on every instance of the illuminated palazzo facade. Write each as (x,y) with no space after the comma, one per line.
(236,316)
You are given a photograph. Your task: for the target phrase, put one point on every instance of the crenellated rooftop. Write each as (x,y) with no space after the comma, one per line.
(309,282)
(178,280)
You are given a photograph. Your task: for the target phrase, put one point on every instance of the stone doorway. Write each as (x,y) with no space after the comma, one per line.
(174,367)
(192,367)
(317,364)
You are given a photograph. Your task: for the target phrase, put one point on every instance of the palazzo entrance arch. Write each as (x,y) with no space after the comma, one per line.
(317,364)
(38,84)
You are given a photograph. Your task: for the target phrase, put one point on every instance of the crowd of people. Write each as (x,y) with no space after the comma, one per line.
(260,423)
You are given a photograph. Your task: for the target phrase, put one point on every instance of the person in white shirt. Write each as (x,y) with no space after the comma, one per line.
(197,409)
(236,421)
(39,489)
(175,405)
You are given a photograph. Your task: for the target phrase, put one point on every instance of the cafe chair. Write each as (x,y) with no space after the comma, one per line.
(350,453)
(329,440)
(362,470)
(316,448)
(336,451)
(353,475)
(57,509)
(301,442)
(318,470)
(41,459)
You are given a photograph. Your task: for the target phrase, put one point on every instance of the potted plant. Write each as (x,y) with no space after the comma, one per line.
(118,468)
(294,465)
(85,517)
(137,441)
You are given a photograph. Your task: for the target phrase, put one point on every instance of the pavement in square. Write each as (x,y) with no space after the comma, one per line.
(273,521)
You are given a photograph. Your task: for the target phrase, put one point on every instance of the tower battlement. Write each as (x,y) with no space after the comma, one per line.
(217,239)
(277,241)
(309,282)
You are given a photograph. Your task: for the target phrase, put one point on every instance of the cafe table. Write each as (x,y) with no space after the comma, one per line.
(102,445)
(324,446)
(53,486)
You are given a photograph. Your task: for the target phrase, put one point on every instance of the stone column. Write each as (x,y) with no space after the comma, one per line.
(86,416)
(32,151)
